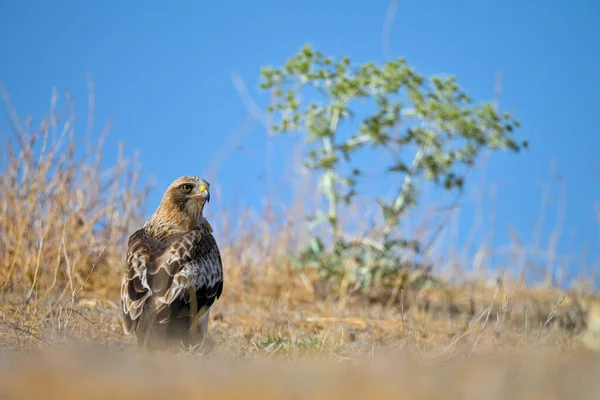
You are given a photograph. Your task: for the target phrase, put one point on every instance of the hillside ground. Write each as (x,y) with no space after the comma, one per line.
(279,330)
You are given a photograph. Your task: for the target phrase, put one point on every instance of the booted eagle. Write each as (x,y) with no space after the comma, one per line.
(174,271)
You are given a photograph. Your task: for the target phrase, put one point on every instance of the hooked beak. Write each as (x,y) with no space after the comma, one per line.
(204,193)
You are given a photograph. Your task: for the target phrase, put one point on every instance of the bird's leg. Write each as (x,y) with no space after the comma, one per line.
(204,325)
(199,325)
(193,314)
(151,336)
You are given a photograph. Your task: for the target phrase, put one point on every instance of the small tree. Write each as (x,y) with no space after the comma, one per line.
(433,118)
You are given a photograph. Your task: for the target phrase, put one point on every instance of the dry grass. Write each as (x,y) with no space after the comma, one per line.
(64,222)
(60,211)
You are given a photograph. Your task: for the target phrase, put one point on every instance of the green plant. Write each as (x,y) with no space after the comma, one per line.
(433,118)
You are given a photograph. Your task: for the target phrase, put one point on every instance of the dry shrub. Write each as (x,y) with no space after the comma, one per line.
(63,214)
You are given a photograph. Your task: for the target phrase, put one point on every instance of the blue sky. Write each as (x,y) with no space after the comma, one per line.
(163,71)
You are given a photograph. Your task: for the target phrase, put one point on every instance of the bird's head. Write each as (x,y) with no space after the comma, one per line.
(183,202)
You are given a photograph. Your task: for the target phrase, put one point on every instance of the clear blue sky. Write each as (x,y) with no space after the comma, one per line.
(163,70)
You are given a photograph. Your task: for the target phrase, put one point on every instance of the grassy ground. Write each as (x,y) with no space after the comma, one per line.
(279,331)
(453,343)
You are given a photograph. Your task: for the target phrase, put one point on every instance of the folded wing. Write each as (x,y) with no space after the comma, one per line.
(156,284)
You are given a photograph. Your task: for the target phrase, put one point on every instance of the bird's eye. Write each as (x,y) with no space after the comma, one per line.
(186,188)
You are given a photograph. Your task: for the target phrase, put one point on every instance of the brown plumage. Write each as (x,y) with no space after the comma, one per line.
(174,271)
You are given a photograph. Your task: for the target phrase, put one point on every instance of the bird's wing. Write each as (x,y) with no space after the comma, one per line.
(134,286)
(193,261)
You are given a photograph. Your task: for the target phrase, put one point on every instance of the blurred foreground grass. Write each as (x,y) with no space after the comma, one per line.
(95,374)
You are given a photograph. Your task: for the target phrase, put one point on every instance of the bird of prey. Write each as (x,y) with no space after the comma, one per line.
(174,271)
